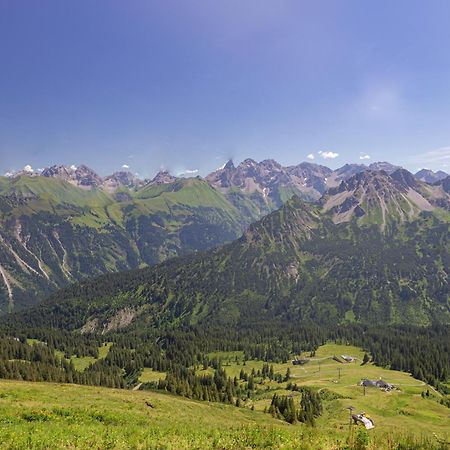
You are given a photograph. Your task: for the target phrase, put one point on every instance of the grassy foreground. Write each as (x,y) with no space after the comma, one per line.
(53,416)
(63,416)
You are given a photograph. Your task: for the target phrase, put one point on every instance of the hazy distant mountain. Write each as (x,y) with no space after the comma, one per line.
(385,166)
(429,176)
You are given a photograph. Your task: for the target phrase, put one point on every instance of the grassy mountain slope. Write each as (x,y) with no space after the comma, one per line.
(295,264)
(53,233)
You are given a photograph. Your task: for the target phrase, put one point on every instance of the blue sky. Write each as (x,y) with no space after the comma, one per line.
(185,85)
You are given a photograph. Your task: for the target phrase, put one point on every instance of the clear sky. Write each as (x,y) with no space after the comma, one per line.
(186,85)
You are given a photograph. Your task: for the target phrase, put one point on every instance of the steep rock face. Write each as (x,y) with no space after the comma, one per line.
(81,176)
(308,176)
(87,178)
(378,198)
(61,172)
(223,177)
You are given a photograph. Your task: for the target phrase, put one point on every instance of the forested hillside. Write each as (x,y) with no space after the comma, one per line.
(53,233)
(295,264)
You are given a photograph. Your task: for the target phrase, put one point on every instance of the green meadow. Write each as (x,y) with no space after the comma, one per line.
(403,409)
(54,416)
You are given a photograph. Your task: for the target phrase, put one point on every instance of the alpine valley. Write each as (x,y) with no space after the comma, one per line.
(66,224)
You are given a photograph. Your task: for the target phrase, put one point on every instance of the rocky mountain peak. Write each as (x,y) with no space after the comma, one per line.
(81,176)
(121,178)
(163,177)
(57,171)
(87,178)
(385,166)
(229,165)
(271,164)
(428,176)
(374,197)
(348,170)
(249,162)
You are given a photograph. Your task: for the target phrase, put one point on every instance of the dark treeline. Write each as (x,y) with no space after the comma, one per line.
(183,352)
(38,362)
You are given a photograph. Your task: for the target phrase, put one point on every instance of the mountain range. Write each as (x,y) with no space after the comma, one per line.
(268,178)
(303,262)
(67,224)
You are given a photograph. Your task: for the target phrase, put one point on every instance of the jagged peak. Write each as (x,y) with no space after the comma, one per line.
(248,162)
(359,178)
(384,165)
(55,170)
(163,177)
(271,163)
(229,165)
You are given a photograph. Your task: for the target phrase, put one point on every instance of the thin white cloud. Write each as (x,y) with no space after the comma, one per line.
(9,174)
(310,156)
(125,166)
(188,172)
(437,156)
(73,167)
(364,156)
(328,155)
(28,168)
